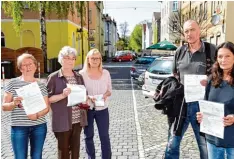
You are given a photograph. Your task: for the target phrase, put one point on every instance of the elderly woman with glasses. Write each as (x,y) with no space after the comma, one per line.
(25,127)
(67,122)
(98,84)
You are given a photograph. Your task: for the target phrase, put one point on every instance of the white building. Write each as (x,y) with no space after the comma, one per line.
(156,27)
(110,36)
(147,34)
(168,8)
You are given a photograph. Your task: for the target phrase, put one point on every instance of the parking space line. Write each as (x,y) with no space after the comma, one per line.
(138,127)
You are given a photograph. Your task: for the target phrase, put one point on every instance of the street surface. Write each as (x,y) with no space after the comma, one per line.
(137,129)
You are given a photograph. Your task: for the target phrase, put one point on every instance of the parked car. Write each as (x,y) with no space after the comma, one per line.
(123,56)
(160,69)
(141,79)
(140,65)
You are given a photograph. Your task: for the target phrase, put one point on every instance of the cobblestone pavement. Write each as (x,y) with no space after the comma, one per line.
(137,129)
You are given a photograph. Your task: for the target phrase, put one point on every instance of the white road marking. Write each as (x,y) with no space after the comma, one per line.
(138,127)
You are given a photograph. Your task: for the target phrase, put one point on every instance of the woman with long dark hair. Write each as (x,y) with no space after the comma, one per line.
(220,89)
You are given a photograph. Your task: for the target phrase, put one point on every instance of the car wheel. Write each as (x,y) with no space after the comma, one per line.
(120,60)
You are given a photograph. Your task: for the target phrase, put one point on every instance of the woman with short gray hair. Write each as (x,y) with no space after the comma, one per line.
(26,127)
(67,122)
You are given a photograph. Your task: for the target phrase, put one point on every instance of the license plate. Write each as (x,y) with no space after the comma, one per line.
(155,81)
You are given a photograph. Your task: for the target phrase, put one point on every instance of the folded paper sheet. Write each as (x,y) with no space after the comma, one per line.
(33,101)
(77,95)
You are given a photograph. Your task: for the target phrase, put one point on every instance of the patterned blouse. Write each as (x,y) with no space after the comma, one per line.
(75,109)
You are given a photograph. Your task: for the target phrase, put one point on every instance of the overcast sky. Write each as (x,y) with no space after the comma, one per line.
(133,12)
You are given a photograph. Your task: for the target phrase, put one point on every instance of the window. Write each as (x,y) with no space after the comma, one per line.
(175,6)
(161,67)
(213,8)
(195,11)
(201,9)
(205,10)
(144,60)
(192,13)
(90,16)
(3,40)
(218,40)
(174,26)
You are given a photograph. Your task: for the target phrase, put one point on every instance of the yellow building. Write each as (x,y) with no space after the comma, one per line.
(217,14)
(59,33)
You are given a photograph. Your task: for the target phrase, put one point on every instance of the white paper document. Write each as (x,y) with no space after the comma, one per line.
(193,90)
(99,102)
(33,101)
(212,122)
(77,95)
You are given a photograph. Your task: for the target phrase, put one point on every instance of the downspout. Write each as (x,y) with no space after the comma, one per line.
(82,37)
(88,27)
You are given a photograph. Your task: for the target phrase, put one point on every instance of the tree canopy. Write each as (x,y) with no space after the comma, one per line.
(15,9)
(136,38)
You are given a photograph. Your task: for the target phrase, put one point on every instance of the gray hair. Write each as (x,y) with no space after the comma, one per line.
(25,56)
(66,51)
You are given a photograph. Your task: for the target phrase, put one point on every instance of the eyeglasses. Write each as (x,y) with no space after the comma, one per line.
(69,59)
(95,59)
(27,65)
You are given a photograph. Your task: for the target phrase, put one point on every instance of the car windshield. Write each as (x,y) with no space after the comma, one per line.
(118,53)
(144,60)
(161,66)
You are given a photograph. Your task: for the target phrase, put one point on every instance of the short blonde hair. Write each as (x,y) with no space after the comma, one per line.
(25,56)
(86,67)
(66,51)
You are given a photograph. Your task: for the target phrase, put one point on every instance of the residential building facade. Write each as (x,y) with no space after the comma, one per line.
(148,34)
(217,15)
(167,9)
(96,25)
(110,36)
(60,32)
(156,27)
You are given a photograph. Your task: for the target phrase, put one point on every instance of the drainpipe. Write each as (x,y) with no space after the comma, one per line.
(88,27)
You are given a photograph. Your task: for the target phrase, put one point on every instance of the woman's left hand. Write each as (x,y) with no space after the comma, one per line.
(228,120)
(32,116)
(104,97)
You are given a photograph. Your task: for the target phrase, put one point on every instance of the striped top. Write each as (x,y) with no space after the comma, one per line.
(18,115)
(75,109)
(97,87)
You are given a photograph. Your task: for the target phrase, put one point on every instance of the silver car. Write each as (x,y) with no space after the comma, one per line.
(160,69)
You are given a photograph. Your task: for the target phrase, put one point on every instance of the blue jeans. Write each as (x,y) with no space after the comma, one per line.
(102,119)
(20,135)
(215,152)
(173,146)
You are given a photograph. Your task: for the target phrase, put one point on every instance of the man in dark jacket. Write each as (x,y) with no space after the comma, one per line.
(194,58)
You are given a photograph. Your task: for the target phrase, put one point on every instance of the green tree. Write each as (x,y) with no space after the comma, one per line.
(120,44)
(15,10)
(136,38)
(124,34)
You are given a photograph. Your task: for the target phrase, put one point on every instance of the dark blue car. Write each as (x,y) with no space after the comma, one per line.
(140,65)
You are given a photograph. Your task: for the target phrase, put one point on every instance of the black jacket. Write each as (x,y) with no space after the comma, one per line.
(169,98)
